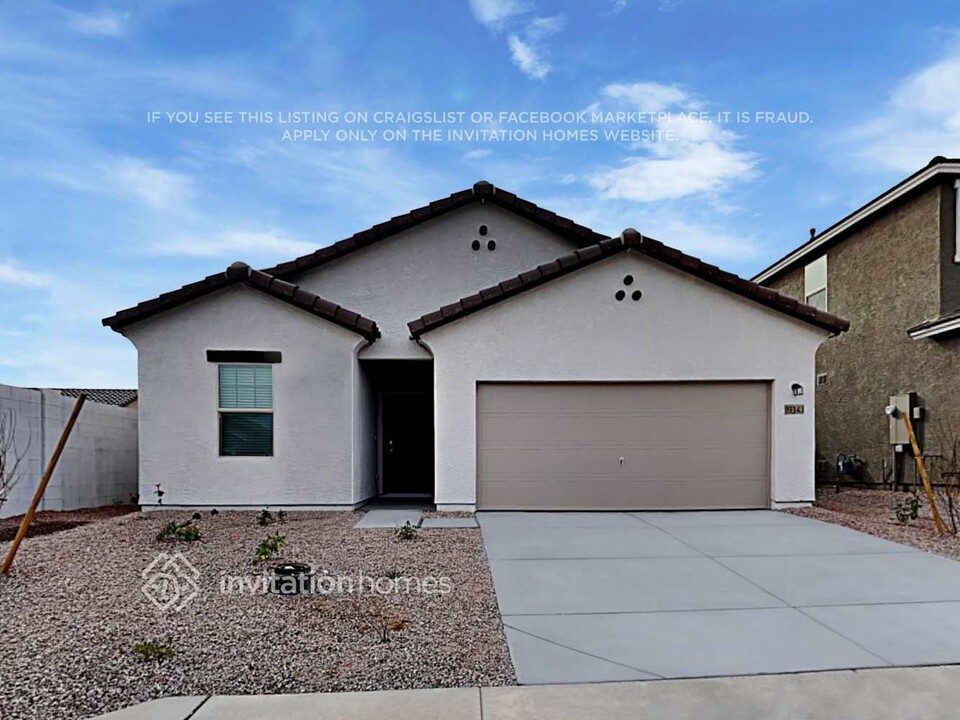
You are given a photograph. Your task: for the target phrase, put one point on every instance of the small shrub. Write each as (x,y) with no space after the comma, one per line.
(269,547)
(908,509)
(375,616)
(158,650)
(265,518)
(214,512)
(195,516)
(281,515)
(406,532)
(187,532)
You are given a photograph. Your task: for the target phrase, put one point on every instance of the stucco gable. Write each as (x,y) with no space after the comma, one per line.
(629,240)
(243,274)
(481,192)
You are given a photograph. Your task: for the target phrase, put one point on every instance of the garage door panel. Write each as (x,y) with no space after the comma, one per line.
(721,461)
(644,429)
(684,445)
(543,495)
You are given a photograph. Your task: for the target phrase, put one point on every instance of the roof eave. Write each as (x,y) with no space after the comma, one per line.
(931,172)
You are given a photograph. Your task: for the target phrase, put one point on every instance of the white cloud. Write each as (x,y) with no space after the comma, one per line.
(650,96)
(478,154)
(104,23)
(527,49)
(126,177)
(527,41)
(618,7)
(158,188)
(236,245)
(699,157)
(669,5)
(13,273)
(920,119)
(528,59)
(493,13)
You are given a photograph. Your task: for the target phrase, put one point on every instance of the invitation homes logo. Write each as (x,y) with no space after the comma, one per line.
(171,582)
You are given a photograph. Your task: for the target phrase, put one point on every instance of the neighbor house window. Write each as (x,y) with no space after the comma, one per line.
(246,409)
(815,283)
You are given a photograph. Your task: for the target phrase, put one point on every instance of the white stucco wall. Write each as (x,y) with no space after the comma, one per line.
(314,404)
(418,271)
(98,466)
(573,329)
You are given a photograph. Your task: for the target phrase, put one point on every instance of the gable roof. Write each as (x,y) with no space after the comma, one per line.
(482,192)
(921,180)
(240,272)
(105,396)
(630,239)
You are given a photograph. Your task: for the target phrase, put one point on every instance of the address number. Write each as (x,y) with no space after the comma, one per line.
(793,409)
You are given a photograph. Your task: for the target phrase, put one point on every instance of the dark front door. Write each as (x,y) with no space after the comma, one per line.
(407,419)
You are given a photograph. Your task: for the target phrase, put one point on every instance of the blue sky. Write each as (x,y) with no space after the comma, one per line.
(100,208)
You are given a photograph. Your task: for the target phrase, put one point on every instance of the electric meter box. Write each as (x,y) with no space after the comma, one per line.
(905,404)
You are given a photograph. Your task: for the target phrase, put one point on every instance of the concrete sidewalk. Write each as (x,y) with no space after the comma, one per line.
(927,693)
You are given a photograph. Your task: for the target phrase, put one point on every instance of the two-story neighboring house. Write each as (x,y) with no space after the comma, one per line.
(892,268)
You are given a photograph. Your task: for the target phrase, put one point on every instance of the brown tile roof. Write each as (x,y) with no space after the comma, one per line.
(240,272)
(481,191)
(106,396)
(629,240)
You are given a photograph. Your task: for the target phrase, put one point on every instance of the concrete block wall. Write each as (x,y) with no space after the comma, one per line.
(98,466)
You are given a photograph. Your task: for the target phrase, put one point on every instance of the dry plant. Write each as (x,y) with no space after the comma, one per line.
(948,471)
(11,457)
(375,615)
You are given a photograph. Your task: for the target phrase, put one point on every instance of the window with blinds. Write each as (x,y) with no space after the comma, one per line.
(246,409)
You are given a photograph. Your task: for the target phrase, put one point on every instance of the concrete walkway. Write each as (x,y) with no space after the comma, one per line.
(931,693)
(606,597)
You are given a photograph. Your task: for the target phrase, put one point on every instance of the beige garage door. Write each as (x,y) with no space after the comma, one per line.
(623,446)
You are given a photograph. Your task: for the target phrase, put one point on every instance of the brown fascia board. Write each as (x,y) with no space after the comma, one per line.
(630,239)
(887,200)
(482,191)
(242,273)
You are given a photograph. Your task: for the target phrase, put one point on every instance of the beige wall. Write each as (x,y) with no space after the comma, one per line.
(883,279)
(572,329)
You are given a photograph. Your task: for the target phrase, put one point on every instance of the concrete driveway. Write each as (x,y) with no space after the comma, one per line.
(594,597)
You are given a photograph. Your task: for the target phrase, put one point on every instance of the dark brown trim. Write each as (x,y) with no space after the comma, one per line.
(630,239)
(815,241)
(244,356)
(240,272)
(481,191)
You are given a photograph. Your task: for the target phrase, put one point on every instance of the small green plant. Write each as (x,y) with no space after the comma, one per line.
(908,509)
(158,650)
(186,531)
(406,532)
(265,518)
(281,515)
(195,516)
(269,547)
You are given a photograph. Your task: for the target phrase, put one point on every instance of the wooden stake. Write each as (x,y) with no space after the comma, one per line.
(44,481)
(922,466)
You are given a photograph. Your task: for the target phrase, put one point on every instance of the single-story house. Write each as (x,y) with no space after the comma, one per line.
(480,352)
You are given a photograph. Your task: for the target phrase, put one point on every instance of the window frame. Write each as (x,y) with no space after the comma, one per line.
(808,291)
(221,411)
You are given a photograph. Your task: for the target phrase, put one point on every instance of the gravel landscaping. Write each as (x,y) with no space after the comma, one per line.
(871,511)
(51,521)
(72,612)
